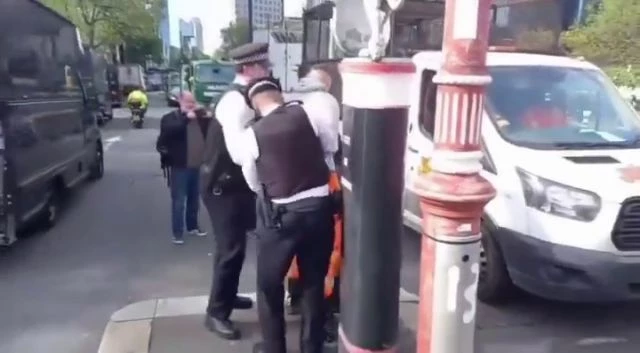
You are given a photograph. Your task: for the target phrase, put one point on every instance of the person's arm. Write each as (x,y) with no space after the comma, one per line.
(324,115)
(231,112)
(248,162)
(173,124)
(161,142)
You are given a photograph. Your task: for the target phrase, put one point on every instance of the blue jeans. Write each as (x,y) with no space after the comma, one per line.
(184,191)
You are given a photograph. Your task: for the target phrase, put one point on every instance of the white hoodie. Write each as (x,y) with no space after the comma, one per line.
(312,92)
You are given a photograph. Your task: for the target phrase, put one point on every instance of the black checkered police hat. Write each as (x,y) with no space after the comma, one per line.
(261,85)
(250,53)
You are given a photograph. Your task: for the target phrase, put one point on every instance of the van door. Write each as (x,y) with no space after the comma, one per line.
(419,145)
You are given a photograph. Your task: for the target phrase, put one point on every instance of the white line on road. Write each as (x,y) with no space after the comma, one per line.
(110,141)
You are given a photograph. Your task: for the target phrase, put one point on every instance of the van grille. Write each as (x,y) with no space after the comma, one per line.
(626,231)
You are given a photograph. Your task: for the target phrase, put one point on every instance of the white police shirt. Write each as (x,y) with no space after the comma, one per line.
(324,125)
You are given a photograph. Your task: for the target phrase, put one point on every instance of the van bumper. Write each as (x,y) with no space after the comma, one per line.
(566,273)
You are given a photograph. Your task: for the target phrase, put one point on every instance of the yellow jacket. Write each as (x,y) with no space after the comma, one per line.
(138,96)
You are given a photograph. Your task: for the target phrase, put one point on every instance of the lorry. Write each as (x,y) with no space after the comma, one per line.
(49,138)
(208,79)
(113,86)
(560,146)
(154,79)
(130,77)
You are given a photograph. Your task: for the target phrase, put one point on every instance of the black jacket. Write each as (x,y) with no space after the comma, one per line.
(218,169)
(172,141)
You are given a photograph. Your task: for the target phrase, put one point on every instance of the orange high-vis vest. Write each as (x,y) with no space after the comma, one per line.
(335,264)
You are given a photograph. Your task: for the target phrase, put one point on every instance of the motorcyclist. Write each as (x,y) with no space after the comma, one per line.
(136,98)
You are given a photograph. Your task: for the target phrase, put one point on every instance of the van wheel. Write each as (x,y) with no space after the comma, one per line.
(51,211)
(495,285)
(97,168)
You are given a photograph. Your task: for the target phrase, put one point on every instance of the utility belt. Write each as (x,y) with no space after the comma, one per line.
(271,213)
(227,184)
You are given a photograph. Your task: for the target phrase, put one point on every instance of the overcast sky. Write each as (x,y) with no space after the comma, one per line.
(216,14)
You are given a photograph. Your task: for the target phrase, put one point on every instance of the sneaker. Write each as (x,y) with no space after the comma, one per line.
(177,241)
(197,232)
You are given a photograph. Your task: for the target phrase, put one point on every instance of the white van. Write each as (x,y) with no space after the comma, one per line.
(559,140)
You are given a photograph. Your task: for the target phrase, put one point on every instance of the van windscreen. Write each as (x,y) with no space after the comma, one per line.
(550,107)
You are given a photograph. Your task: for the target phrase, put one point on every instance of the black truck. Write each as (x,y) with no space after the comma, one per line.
(49,139)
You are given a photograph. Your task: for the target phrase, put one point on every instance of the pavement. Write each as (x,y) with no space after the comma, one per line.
(107,274)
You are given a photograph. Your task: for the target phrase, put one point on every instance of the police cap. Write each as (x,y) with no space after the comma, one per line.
(250,53)
(261,85)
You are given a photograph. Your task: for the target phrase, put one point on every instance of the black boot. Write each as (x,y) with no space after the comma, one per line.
(330,329)
(242,303)
(222,327)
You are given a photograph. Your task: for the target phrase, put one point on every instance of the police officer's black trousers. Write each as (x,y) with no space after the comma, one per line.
(232,215)
(308,235)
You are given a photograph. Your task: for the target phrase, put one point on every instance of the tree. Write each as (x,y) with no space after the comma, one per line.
(236,34)
(139,49)
(107,23)
(609,35)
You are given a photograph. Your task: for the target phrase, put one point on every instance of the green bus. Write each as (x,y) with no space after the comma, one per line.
(208,79)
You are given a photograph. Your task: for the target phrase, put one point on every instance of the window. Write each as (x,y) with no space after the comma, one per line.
(560,107)
(209,73)
(428,93)
(502,16)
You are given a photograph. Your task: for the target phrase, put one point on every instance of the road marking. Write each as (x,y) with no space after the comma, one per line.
(110,141)
(593,341)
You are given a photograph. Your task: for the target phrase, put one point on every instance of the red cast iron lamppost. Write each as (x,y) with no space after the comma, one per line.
(453,195)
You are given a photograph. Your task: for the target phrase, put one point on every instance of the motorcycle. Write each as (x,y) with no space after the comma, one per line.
(136,115)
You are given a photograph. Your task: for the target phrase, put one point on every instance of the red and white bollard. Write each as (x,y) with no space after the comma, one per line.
(453,195)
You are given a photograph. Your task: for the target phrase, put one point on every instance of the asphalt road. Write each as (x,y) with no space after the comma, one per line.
(112,248)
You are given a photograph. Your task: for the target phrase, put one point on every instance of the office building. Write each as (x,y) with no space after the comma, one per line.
(265,12)
(165,32)
(198,33)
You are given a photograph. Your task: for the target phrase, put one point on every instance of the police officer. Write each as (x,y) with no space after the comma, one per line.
(285,162)
(229,201)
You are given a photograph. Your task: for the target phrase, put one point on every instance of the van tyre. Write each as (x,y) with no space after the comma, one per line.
(495,285)
(51,211)
(97,167)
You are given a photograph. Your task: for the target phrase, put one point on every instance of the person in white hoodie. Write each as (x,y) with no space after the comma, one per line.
(313,91)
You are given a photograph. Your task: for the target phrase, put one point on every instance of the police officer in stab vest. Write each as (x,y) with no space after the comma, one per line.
(229,201)
(285,162)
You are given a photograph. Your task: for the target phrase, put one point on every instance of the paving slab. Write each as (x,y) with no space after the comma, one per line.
(126,337)
(188,334)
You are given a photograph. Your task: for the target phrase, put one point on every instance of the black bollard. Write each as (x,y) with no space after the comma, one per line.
(375,113)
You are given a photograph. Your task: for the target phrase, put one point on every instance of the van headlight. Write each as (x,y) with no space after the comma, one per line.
(558,199)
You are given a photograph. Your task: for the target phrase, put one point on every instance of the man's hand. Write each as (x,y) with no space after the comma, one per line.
(191,114)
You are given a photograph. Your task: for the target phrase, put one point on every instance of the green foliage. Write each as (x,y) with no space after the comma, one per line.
(624,76)
(236,34)
(107,23)
(536,40)
(137,50)
(198,55)
(609,35)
